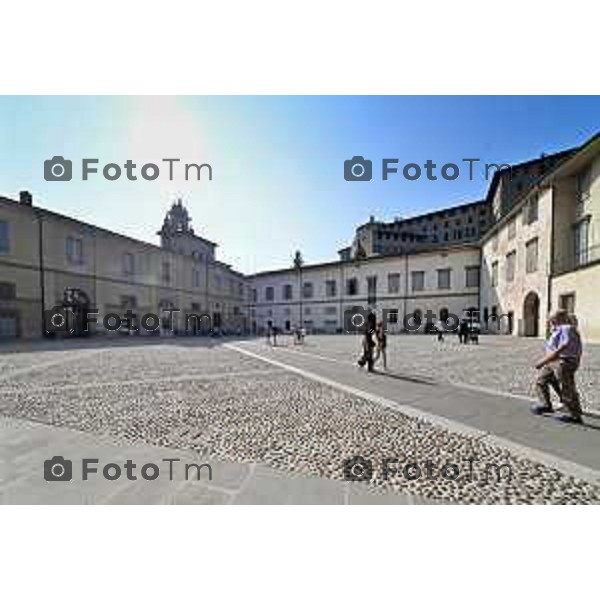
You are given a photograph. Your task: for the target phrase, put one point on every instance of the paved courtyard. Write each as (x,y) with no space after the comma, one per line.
(502,363)
(288,413)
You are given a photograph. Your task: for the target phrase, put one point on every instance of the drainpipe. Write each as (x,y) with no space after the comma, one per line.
(404,299)
(550,268)
(42,278)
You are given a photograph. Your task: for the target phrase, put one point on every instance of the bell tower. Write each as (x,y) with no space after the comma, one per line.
(177,235)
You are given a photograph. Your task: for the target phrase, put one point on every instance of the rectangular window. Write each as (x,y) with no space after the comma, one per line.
(74,250)
(128,263)
(330,288)
(418,281)
(472,276)
(372,289)
(495,273)
(166,272)
(4,240)
(392,316)
(254,296)
(511,262)
(352,286)
(269,294)
(287,291)
(567,302)
(307,289)
(443,279)
(393,283)
(195,278)
(512,228)
(8,291)
(530,211)
(582,234)
(531,256)
(330,310)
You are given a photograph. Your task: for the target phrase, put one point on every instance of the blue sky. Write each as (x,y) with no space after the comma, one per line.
(277,162)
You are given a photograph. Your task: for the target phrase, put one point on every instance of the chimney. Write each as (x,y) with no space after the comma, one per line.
(25,198)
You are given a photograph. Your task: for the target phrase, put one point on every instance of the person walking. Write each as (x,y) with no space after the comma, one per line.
(439,329)
(463,331)
(562,358)
(368,343)
(381,338)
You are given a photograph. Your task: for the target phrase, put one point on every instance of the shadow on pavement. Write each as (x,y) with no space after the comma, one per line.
(400,377)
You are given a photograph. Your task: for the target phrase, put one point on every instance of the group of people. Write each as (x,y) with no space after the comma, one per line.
(374,344)
(466,331)
(562,357)
(273,331)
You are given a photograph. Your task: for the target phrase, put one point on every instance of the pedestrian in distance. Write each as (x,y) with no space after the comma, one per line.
(368,343)
(557,369)
(463,331)
(381,340)
(439,330)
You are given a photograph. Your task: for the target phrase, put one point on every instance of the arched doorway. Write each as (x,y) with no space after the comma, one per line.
(531,315)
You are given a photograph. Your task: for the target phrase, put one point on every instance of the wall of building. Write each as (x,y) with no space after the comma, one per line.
(19,270)
(583,285)
(509,297)
(110,282)
(323,313)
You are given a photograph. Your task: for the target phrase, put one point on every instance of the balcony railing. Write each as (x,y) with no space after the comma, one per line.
(563,264)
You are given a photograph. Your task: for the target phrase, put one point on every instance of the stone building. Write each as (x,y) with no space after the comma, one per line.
(48,260)
(530,246)
(543,253)
(535,248)
(444,281)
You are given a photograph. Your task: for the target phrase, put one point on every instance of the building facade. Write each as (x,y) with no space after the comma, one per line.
(442,281)
(531,246)
(48,260)
(543,253)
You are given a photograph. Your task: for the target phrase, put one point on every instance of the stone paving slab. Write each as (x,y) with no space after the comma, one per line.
(489,413)
(24,446)
(256,414)
(499,362)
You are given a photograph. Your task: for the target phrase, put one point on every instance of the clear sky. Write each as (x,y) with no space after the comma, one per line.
(277,162)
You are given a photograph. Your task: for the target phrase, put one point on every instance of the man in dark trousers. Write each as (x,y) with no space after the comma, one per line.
(368,342)
(557,369)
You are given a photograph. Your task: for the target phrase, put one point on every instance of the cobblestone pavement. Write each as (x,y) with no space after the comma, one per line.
(237,408)
(500,363)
